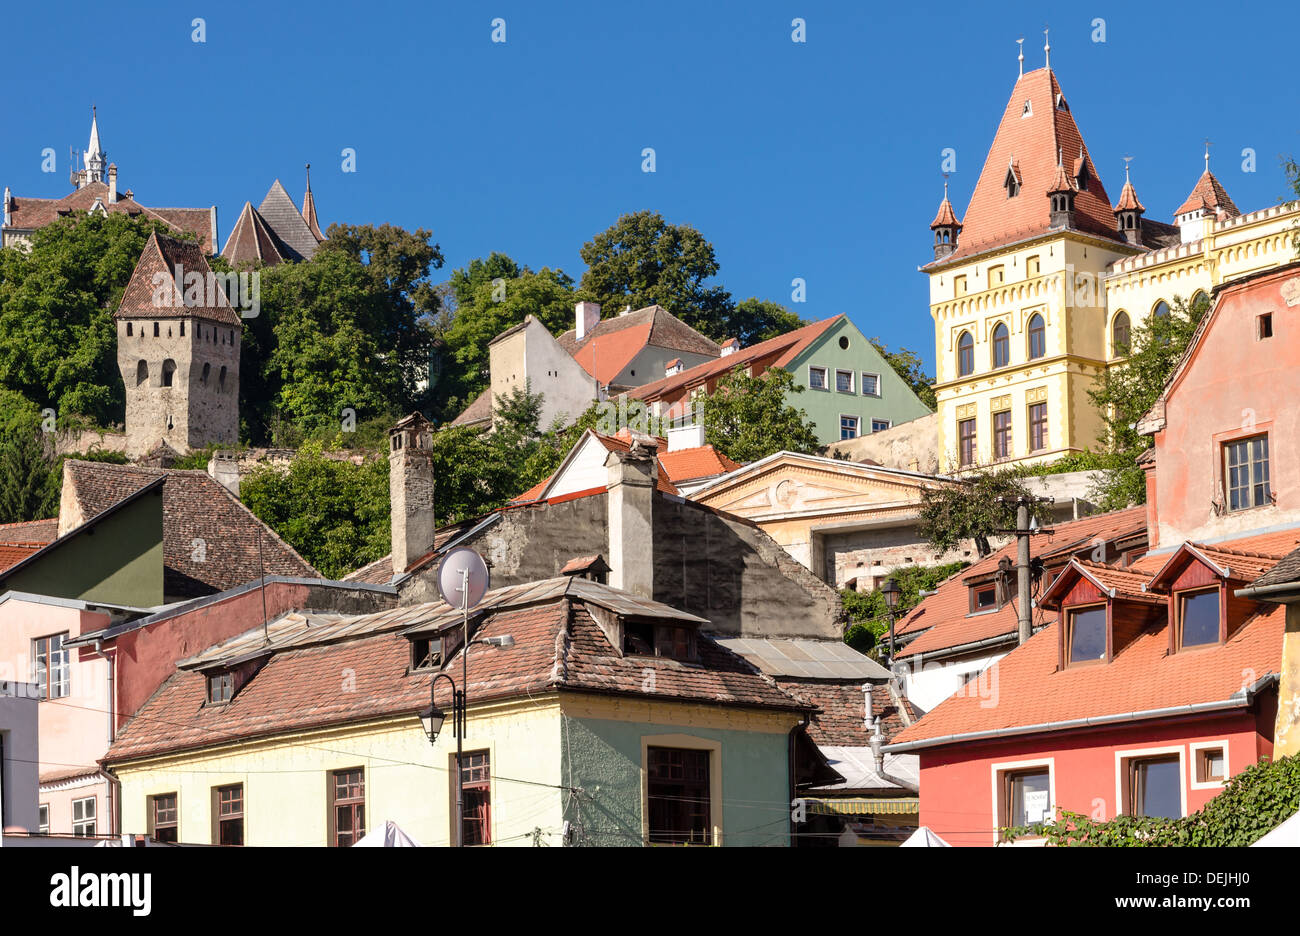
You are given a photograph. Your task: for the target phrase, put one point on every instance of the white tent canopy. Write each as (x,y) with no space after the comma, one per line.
(1287,835)
(924,838)
(389,835)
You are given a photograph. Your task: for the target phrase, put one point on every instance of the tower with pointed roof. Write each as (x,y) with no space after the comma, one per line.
(946,227)
(276,231)
(178,352)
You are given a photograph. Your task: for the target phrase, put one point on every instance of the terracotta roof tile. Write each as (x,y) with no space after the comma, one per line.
(251,240)
(34,213)
(162,255)
(1208,193)
(30,531)
(13,553)
(612,344)
(841,719)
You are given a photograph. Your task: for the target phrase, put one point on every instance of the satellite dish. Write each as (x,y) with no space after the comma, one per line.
(462,578)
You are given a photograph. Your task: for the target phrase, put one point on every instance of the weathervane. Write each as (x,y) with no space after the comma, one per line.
(1047,48)
(1020,44)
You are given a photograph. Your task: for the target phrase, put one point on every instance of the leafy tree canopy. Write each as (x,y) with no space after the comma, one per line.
(748,418)
(976,508)
(868,614)
(908,365)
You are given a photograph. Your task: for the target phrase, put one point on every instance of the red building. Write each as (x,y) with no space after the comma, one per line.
(1156,677)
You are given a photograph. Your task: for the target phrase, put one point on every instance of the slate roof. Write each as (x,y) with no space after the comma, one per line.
(251,240)
(34,213)
(611,345)
(1033,145)
(786,348)
(162,255)
(295,239)
(558,646)
(194,507)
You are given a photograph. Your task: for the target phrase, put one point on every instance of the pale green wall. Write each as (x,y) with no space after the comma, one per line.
(604,758)
(896,402)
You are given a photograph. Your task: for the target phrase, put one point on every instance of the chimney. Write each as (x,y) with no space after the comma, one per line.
(730,346)
(112,183)
(9,199)
(685,437)
(585,315)
(631,480)
(224,469)
(410,490)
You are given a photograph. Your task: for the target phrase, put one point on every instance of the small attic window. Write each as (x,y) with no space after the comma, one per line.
(426,653)
(1012,183)
(1060,102)
(1081,180)
(674,641)
(1027,110)
(221,687)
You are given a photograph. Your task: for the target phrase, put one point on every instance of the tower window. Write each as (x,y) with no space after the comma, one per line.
(168,372)
(1027,110)
(1012,182)
(128,329)
(207,369)
(1037,337)
(221,379)
(182,329)
(141,373)
(155,329)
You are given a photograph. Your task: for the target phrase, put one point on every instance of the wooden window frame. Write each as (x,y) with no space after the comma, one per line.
(1200,752)
(1179,598)
(1003,342)
(1067,634)
(962,460)
(1043,441)
(355,803)
(1251,466)
(973,598)
(1129,763)
(1039,331)
(479,781)
(172,823)
(708,789)
(1004,774)
(1007,433)
(218,817)
(1264,326)
(225,680)
(1115,351)
(965,354)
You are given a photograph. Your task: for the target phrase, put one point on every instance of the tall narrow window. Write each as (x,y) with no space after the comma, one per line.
(677,800)
(141,373)
(1085,640)
(958,286)
(207,369)
(1120,335)
(83,816)
(128,329)
(1037,427)
(965,354)
(1037,337)
(348,809)
(50,662)
(165,817)
(1246,473)
(966,442)
(1198,618)
(1001,346)
(1002,434)
(43,819)
(228,804)
(1155,787)
(168,372)
(476,784)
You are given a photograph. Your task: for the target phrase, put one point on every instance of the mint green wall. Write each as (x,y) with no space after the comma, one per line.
(607,755)
(896,402)
(119,560)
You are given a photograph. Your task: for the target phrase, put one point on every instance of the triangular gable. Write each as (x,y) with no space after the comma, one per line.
(1184,556)
(287,223)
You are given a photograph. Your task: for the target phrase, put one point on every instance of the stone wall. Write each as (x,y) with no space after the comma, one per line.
(910,446)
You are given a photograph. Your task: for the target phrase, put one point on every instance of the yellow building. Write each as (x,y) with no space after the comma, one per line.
(595,717)
(1036,289)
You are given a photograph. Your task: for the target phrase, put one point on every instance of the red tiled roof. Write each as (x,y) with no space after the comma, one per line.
(613,342)
(1208,193)
(1128,199)
(841,719)
(30,531)
(945,619)
(1033,144)
(558,646)
(479,411)
(194,507)
(13,553)
(1142,677)
(787,347)
(162,255)
(946,216)
(33,213)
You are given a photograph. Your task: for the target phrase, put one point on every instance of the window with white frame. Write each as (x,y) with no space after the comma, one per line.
(50,660)
(844,381)
(816,378)
(849,427)
(83,816)
(43,819)
(880,425)
(1246,473)
(870,384)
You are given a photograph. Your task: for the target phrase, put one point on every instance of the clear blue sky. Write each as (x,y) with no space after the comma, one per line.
(819,160)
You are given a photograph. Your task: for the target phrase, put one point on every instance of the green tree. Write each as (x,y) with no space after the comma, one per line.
(487,303)
(754,320)
(1125,392)
(977,507)
(908,365)
(868,614)
(1252,803)
(25,477)
(333,512)
(748,418)
(58,346)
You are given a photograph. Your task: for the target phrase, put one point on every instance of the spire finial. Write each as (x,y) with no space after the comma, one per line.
(945,186)
(1020,44)
(309,177)
(1047,48)
(1127,160)
(1208,144)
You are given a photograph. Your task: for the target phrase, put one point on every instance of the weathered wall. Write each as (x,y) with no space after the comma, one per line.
(910,446)
(1286,734)
(867,554)
(18,773)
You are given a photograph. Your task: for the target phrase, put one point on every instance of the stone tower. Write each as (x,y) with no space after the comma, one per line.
(410,490)
(178,351)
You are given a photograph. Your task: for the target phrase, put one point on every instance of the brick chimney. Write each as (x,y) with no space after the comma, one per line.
(585,317)
(631,480)
(410,490)
(112,182)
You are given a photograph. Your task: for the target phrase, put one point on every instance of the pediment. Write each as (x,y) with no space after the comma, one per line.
(792,488)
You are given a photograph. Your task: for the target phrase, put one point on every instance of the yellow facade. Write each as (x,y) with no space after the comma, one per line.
(1079,285)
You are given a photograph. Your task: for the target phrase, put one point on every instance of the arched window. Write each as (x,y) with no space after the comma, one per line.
(142,373)
(168,372)
(1120,335)
(221,379)
(128,329)
(1161,310)
(207,369)
(965,355)
(1001,346)
(1037,337)
(1199,299)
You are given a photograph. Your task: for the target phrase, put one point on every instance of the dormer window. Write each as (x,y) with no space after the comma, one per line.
(983,598)
(1081,180)
(221,687)
(1027,110)
(426,653)
(1012,182)
(1085,640)
(673,641)
(1060,102)
(1198,618)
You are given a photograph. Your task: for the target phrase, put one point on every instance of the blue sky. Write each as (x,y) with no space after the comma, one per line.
(818,160)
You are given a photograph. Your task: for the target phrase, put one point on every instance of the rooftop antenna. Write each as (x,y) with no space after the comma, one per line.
(1047,48)
(1020,44)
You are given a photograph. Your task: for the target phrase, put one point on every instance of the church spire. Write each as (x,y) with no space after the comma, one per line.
(94,159)
(945,225)
(309,209)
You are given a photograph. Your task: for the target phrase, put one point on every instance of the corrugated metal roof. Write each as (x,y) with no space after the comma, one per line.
(811,659)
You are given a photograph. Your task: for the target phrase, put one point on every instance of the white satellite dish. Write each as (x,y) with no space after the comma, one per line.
(462,578)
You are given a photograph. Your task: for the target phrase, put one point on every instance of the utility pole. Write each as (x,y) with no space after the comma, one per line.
(1024,625)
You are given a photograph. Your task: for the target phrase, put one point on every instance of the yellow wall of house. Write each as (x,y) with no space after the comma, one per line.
(406,778)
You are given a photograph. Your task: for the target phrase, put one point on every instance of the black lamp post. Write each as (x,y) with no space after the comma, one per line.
(891,592)
(433,718)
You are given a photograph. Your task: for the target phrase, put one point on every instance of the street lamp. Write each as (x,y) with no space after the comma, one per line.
(891,591)
(433,718)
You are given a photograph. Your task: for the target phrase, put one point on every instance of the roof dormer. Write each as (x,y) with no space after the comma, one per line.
(1198,582)
(1102,611)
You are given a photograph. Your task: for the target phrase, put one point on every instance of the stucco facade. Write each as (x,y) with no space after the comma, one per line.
(528,356)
